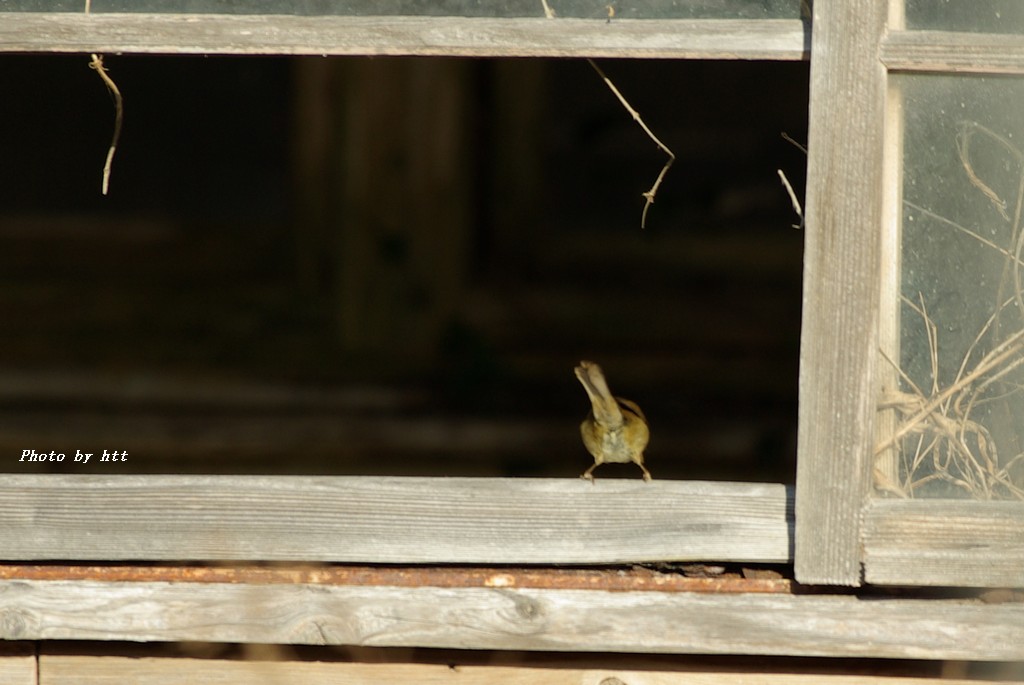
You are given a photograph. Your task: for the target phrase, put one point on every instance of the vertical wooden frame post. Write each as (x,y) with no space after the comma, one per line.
(885,470)
(839,345)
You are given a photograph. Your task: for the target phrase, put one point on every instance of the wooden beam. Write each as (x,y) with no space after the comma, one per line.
(776,39)
(944,542)
(391,520)
(839,338)
(60,669)
(512,619)
(947,51)
(18,664)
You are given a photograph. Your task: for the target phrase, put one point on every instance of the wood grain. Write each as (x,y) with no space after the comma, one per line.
(778,39)
(512,619)
(839,338)
(391,520)
(947,51)
(944,542)
(18,663)
(97,670)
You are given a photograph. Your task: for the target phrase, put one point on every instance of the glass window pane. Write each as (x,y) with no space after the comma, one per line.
(956,399)
(986,16)
(596,9)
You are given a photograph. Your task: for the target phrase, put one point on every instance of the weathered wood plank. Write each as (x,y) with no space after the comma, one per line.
(944,542)
(946,51)
(516,619)
(101,670)
(391,520)
(839,338)
(777,39)
(18,663)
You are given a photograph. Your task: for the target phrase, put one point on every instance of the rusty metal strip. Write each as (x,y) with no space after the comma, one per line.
(636,579)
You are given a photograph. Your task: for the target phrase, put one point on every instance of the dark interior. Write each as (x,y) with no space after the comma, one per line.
(391,265)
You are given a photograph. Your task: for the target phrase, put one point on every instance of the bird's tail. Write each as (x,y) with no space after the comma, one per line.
(606,409)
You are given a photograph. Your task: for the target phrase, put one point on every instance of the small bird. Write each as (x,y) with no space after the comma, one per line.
(615,430)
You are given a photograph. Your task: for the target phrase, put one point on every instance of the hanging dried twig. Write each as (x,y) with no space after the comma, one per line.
(789,188)
(97,65)
(650,194)
(789,139)
(792,198)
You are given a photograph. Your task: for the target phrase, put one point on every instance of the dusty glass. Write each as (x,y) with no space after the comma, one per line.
(592,9)
(983,16)
(952,419)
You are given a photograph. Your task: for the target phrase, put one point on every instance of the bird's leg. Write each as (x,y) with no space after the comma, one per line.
(589,473)
(647,474)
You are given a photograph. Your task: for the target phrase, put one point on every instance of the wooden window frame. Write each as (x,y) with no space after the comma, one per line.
(838,529)
(773,39)
(50,515)
(844,536)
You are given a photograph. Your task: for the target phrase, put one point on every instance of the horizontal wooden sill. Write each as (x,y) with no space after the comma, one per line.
(384,520)
(944,542)
(949,51)
(774,39)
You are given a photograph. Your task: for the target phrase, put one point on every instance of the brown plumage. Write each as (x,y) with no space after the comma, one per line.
(615,430)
